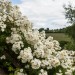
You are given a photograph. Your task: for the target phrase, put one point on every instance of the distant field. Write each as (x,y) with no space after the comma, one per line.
(59,36)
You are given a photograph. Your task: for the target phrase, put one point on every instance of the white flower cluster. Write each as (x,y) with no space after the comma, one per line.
(32,36)
(14,38)
(23,23)
(36,63)
(66,60)
(68,72)
(43,72)
(2,26)
(41,53)
(59,74)
(17,46)
(19,72)
(2,16)
(4,13)
(26,55)
(17,42)
(3,57)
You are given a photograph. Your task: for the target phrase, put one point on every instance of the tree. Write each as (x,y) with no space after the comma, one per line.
(70,15)
(41,29)
(47,30)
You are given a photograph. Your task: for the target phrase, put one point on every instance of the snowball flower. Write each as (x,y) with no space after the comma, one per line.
(3,57)
(35,63)
(39,53)
(44,63)
(68,72)
(55,62)
(14,38)
(17,46)
(31,37)
(59,74)
(2,26)
(43,72)
(20,72)
(25,55)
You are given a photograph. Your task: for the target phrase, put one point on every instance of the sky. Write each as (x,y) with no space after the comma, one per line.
(44,13)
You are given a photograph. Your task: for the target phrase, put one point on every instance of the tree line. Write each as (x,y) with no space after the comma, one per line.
(47,30)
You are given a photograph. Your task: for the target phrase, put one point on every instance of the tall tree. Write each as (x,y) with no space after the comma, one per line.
(70,15)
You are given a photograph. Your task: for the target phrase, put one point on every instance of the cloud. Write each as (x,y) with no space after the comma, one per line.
(45,13)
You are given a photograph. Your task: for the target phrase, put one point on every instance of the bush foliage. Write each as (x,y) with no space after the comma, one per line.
(24,51)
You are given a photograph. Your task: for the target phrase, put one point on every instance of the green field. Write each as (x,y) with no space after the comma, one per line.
(59,36)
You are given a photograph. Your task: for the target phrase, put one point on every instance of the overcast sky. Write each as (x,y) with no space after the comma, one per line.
(44,13)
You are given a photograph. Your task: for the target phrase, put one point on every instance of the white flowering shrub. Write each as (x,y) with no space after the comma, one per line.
(28,51)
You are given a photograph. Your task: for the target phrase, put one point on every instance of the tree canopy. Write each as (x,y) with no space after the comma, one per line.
(70,15)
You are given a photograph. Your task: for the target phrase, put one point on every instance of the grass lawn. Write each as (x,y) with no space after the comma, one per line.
(59,36)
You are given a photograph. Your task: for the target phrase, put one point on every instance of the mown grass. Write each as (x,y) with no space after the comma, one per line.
(59,36)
